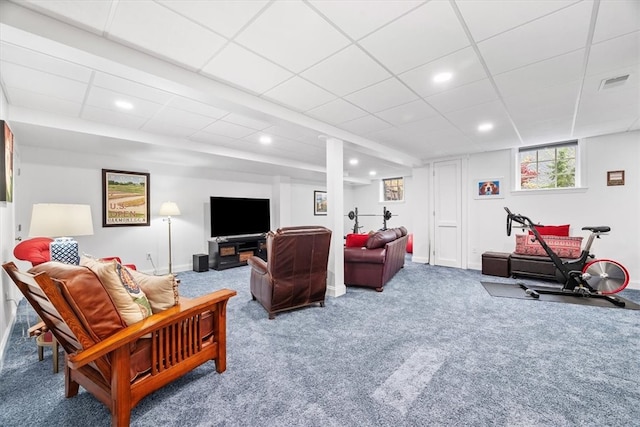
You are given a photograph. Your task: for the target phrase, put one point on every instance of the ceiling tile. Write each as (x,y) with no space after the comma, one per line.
(47,84)
(538,40)
(346,71)
(382,96)
(551,72)
(426,126)
(299,94)
(467,120)
(212,138)
(89,15)
(395,44)
(358,18)
(105,99)
(164,33)
(365,125)
(544,103)
(228,129)
(176,117)
(613,54)
(616,18)
(224,17)
(130,88)
(338,111)
(463,65)
(463,96)
(46,63)
(197,107)
(407,113)
(161,127)
(37,101)
(488,18)
(111,117)
(237,65)
(246,121)
(291,34)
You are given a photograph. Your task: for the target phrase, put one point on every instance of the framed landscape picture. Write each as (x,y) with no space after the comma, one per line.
(319,202)
(125,198)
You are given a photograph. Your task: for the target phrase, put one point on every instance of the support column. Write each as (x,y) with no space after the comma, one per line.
(335,213)
(281,206)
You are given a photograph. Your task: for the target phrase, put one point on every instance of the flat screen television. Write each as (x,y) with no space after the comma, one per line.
(237,216)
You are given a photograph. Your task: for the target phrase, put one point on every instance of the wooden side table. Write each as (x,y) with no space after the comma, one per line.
(44,338)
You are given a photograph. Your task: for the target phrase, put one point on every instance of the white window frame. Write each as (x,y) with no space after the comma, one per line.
(382,192)
(580,176)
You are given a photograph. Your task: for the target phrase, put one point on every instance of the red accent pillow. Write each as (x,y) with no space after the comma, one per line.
(553,230)
(356,240)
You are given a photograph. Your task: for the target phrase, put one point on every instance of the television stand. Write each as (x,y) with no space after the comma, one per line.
(235,251)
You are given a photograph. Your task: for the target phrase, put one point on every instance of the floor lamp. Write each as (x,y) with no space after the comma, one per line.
(169,209)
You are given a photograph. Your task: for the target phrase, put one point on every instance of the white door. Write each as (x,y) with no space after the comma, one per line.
(447,235)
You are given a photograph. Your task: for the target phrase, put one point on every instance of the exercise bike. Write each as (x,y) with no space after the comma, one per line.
(580,277)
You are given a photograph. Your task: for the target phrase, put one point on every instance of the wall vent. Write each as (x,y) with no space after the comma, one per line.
(613,82)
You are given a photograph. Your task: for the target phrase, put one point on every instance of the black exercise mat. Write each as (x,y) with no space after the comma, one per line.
(513,290)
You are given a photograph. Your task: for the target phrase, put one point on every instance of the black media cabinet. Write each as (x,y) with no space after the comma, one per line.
(235,251)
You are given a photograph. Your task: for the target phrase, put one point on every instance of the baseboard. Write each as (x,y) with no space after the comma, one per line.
(7,334)
(419,260)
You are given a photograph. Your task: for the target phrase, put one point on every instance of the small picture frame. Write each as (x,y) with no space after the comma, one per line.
(319,202)
(125,198)
(488,188)
(615,178)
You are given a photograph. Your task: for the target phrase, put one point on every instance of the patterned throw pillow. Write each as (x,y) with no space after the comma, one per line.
(129,299)
(161,291)
(564,247)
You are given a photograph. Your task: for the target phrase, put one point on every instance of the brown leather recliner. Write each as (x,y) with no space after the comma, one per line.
(295,273)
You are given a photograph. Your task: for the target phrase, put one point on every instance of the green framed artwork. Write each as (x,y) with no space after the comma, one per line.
(125,198)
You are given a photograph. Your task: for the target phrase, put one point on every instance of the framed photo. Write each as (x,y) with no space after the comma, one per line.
(125,198)
(6,163)
(615,178)
(319,202)
(488,188)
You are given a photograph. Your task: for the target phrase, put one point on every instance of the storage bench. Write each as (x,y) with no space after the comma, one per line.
(496,264)
(539,267)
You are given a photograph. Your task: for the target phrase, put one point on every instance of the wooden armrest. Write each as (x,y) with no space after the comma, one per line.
(185,309)
(37,329)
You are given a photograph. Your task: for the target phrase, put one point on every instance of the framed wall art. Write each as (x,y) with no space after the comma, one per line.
(125,198)
(319,202)
(615,178)
(488,188)
(6,164)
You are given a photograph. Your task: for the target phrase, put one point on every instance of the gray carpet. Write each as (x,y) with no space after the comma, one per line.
(433,349)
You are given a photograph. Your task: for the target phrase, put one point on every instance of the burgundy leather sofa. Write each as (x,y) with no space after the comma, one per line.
(374,264)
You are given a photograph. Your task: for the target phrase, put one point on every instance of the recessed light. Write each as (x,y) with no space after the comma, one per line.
(485,127)
(125,105)
(353,161)
(372,173)
(442,77)
(265,139)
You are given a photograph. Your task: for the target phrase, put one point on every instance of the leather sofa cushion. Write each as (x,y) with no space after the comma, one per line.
(85,293)
(370,256)
(380,238)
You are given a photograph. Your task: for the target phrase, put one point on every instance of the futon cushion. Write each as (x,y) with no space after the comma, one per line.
(128,297)
(161,291)
(356,240)
(564,247)
(552,230)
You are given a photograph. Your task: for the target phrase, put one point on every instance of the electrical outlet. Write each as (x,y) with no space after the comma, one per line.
(149,256)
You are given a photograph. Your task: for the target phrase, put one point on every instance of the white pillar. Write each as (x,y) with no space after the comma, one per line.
(335,216)
(281,207)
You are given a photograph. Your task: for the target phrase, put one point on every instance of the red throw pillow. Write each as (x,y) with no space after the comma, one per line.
(356,240)
(553,230)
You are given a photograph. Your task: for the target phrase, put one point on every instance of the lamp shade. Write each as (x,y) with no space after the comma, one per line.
(169,209)
(60,220)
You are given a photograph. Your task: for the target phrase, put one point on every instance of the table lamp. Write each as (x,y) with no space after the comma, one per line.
(169,209)
(61,222)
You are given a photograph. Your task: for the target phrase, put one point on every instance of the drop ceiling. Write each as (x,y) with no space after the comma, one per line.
(207,79)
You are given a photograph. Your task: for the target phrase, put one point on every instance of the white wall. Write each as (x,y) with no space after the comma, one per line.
(598,204)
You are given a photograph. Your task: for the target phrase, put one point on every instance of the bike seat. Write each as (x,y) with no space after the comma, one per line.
(600,229)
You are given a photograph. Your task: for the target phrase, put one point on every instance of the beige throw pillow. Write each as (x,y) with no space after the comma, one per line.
(129,299)
(161,291)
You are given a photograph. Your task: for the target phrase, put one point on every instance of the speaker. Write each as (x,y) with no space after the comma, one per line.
(200,262)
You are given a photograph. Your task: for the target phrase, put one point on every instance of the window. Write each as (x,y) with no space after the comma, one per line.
(549,166)
(393,189)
